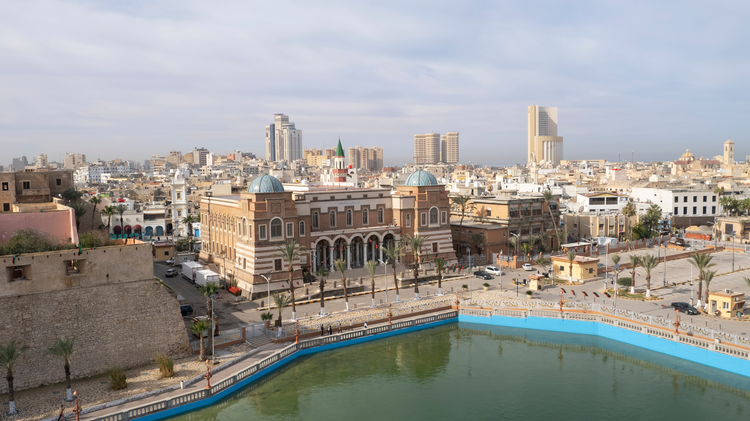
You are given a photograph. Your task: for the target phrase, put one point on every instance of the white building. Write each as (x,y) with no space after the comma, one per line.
(283,140)
(600,202)
(544,143)
(95,172)
(179,204)
(679,202)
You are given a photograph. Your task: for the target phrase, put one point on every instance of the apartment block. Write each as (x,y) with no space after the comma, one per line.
(427,148)
(370,159)
(449,148)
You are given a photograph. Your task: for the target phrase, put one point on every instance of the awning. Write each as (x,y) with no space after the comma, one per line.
(128,228)
(117,229)
(137,228)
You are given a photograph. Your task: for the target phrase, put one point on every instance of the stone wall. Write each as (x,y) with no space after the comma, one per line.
(123,319)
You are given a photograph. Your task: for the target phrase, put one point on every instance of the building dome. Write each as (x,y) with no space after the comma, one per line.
(265,184)
(421,178)
(687,156)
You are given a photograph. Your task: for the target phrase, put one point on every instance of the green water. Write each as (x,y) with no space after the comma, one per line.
(476,372)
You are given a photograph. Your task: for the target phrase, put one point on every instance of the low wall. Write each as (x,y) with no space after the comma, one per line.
(687,352)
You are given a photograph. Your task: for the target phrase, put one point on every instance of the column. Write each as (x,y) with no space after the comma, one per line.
(348,256)
(367,253)
(314,256)
(330,258)
(381,251)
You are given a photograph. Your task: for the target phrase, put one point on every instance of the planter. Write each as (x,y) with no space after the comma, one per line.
(268,324)
(466,289)
(486,288)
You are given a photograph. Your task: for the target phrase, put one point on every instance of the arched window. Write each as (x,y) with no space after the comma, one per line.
(276,228)
(348,217)
(365,216)
(434,216)
(315,220)
(380,215)
(301,228)
(332,219)
(408,220)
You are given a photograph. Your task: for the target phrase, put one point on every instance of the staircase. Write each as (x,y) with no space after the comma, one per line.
(259,341)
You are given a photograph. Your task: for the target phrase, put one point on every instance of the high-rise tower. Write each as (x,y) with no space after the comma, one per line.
(544,143)
(283,140)
(728,152)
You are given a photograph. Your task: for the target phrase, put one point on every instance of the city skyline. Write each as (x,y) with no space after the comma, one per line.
(70,84)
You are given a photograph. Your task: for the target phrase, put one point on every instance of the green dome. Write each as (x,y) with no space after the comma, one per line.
(265,184)
(421,178)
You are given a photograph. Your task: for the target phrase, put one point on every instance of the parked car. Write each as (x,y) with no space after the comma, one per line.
(482,275)
(689,310)
(493,270)
(186,310)
(527,267)
(171,272)
(170,261)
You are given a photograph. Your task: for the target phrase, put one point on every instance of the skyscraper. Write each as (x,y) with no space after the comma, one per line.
(283,140)
(427,148)
(544,144)
(370,159)
(449,148)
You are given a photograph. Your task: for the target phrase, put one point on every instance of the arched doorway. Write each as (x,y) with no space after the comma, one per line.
(117,229)
(169,228)
(341,250)
(323,254)
(128,230)
(358,251)
(372,248)
(159,230)
(149,231)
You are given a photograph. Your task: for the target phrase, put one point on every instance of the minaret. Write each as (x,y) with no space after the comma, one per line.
(339,166)
(179,203)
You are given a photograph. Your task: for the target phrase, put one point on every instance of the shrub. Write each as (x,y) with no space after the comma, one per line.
(624,281)
(464,286)
(529,293)
(117,378)
(28,240)
(266,316)
(166,366)
(486,285)
(95,239)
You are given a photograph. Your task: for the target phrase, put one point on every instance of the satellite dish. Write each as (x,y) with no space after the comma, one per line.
(617,266)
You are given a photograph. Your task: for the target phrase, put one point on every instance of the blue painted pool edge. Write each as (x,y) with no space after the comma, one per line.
(642,340)
(171,412)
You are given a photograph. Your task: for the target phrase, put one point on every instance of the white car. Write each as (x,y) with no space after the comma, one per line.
(527,267)
(493,270)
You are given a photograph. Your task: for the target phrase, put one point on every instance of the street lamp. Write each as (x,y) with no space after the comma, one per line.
(268,282)
(386,281)
(734,239)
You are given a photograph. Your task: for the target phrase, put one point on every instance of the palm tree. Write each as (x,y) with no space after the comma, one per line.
(392,251)
(571,257)
(461,204)
(548,198)
(708,276)
(616,261)
(189,221)
(281,301)
(634,262)
(291,252)
(209,290)
(79,209)
(197,328)
(629,211)
(648,262)
(526,248)
(371,266)
(439,265)
(477,240)
(95,200)
(562,237)
(701,261)
(121,210)
(515,243)
(63,348)
(340,265)
(108,211)
(416,243)
(8,356)
(322,273)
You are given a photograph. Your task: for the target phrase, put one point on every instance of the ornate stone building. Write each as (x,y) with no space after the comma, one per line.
(243,232)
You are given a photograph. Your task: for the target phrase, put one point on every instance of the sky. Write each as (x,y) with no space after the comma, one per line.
(133,79)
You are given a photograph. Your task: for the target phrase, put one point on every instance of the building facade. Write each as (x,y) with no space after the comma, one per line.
(449,148)
(427,148)
(370,159)
(243,232)
(544,143)
(679,202)
(283,140)
(32,187)
(73,161)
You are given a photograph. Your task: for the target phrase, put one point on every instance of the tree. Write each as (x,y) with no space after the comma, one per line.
(95,200)
(340,265)
(121,210)
(708,276)
(477,241)
(515,242)
(629,211)
(63,348)
(543,262)
(548,199)
(541,241)
(209,290)
(281,301)
(322,273)
(701,261)
(9,354)
(79,209)
(634,262)
(291,252)
(461,204)
(652,218)
(527,248)
(197,328)
(72,195)
(562,237)
(616,261)
(649,262)
(416,243)
(392,251)
(189,221)
(571,257)
(439,265)
(371,266)
(108,211)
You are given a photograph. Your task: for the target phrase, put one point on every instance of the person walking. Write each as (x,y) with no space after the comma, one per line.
(62,410)
(322,331)
(330,331)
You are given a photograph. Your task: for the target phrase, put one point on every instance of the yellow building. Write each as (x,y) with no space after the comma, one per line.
(726,303)
(584,268)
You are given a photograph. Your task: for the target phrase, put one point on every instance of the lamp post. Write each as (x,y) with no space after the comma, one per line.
(734,238)
(268,282)
(77,407)
(385,267)
(518,240)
